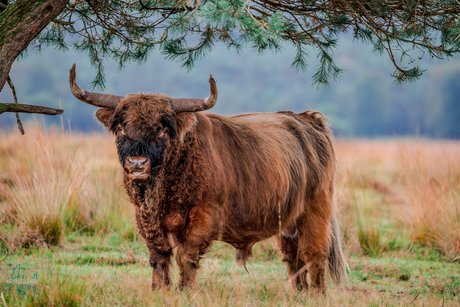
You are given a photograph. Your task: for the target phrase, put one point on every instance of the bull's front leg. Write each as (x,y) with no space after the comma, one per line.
(188,260)
(161,265)
(200,233)
(159,260)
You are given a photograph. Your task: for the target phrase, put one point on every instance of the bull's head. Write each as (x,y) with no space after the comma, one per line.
(145,125)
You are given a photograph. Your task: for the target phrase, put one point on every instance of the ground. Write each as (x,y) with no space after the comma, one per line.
(67,230)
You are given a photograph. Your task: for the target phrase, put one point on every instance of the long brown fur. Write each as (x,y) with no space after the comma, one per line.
(239,179)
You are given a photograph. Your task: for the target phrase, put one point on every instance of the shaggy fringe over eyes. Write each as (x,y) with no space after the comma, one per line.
(169,121)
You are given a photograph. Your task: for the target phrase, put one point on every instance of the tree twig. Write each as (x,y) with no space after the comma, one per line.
(173,9)
(261,23)
(15,98)
(64,23)
(415,298)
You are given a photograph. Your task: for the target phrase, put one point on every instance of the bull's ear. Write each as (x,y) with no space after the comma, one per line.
(184,123)
(103,115)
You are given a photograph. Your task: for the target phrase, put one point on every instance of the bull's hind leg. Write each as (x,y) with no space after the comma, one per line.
(295,265)
(313,232)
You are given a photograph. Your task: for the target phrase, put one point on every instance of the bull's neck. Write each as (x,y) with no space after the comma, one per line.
(181,176)
(177,188)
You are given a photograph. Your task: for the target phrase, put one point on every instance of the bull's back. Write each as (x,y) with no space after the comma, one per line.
(264,166)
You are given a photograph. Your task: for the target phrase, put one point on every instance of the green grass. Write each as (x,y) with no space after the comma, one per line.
(113,271)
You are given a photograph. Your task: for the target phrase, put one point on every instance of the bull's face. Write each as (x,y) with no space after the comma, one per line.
(145,125)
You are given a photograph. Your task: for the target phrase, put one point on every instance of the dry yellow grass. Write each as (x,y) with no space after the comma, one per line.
(56,182)
(74,181)
(413,182)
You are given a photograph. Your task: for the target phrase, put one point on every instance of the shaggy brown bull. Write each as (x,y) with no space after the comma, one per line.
(199,177)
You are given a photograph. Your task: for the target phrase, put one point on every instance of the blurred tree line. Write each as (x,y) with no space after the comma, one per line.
(365,103)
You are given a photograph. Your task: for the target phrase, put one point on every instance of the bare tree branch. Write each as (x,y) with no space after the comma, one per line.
(64,23)
(27,108)
(15,98)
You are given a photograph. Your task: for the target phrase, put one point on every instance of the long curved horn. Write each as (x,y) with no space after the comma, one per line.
(95,99)
(196,104)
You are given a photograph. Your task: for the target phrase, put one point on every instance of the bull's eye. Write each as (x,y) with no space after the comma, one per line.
(120,130)
(166,130)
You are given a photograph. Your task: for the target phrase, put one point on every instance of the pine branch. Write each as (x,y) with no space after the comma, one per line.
(128,30)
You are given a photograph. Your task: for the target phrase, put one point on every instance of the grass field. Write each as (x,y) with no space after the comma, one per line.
(67,230)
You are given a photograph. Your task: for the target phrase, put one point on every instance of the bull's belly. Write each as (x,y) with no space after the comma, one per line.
(236,234)
(258,225)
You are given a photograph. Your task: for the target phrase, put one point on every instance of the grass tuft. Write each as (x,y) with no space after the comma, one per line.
(370,242)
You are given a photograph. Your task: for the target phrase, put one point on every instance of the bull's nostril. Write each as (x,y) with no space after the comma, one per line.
(134,161)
